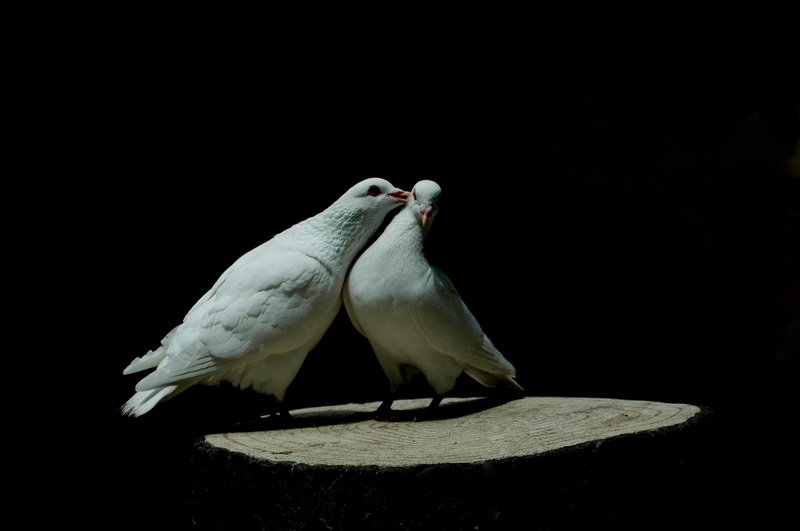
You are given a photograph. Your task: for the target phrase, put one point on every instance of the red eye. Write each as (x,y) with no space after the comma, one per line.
(415,194)
(373,190)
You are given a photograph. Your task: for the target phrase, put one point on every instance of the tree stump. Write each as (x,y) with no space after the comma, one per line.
(479,463)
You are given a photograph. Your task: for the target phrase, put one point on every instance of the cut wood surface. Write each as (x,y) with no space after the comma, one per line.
(477,463)
(464,430)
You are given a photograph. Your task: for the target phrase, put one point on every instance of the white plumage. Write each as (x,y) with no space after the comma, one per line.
(258,322)
(411,312)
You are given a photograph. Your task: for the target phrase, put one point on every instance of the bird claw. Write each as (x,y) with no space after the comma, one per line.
(282,420)
(385,414)
(429,411)
(385,411)
(422,415)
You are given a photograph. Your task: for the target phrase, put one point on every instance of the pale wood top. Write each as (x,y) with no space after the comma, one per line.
(468,430)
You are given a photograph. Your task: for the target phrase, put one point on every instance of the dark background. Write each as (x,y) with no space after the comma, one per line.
(618,232)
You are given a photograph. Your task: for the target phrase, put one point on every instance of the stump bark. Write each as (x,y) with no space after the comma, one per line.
(544,462)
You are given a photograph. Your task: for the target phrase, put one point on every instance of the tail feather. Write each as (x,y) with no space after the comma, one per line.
(144,401)
(148,361)
(152,358)
(493,380)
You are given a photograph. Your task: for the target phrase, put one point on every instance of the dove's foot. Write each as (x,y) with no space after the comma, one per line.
(280,418)
(283,420)
(430,410)
(385,411)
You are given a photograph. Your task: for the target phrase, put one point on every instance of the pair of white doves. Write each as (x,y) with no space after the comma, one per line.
(258,322)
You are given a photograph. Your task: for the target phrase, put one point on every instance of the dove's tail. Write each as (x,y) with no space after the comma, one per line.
(148,361)
(152,358)
(494,370)
(493,380)
(144,401)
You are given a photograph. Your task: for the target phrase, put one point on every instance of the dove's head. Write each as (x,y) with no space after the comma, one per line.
(375,195)
(424,199)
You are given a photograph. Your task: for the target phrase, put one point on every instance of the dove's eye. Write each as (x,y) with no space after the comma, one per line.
(373,190)
(415,194)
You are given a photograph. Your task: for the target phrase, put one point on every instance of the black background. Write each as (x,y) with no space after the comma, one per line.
(626,231)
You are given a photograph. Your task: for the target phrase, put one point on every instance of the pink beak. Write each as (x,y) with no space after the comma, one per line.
(425,212)
(399,195)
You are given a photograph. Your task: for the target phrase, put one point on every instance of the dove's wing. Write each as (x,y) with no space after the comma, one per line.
(263,303)
(446,323)
(256,311)
(255,256)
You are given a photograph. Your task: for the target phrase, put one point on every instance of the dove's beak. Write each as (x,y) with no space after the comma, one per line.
(399,195)
(425,211)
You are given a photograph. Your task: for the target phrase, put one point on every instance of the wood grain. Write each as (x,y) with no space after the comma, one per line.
(467,430)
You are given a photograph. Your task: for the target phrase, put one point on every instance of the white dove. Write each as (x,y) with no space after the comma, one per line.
(258,322)
(411,312)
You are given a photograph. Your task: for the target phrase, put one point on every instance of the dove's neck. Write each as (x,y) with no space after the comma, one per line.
(336,235)
(403,237)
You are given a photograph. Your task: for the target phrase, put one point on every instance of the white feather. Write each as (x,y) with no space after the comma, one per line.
(412,314)
(260,319)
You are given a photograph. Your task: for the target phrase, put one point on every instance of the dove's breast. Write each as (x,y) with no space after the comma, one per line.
(383,306)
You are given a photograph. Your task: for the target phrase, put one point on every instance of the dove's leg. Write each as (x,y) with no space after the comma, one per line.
(430,409)
(281,418)
(279,411)
(385,411)
(283,411)
(435,402)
